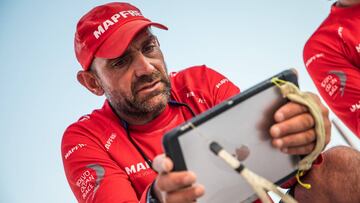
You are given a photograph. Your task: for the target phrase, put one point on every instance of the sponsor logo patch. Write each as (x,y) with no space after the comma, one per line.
(333,82)
(330,85)
(86,183)
(342,77)
(90,179)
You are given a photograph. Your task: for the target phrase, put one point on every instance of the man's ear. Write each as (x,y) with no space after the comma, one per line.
(90,81)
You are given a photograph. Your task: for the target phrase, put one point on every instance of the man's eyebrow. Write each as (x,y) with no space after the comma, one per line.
(125,54)
(128,51)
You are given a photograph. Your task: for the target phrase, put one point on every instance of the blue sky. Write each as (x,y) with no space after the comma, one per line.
(245,40)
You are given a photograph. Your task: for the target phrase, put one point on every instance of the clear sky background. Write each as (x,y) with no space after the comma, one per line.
(247,41)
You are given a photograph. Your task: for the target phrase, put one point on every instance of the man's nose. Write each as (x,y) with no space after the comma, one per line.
(142,65)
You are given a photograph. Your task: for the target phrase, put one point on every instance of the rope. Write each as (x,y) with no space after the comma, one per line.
(293,93)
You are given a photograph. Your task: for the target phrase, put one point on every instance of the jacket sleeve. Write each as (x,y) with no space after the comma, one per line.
(202,88)
(334,65)
(221,87)
(91,173)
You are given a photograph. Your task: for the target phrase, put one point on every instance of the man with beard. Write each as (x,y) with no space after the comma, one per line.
(108,155)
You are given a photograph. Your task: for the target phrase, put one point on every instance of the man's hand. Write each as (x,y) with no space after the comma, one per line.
(175,186)
(294,132)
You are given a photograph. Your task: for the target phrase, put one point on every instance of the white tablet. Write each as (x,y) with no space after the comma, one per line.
(240,123)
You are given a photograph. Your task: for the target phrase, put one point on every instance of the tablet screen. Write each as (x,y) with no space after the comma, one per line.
(242,128)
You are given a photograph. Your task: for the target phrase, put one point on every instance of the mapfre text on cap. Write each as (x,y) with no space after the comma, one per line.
(113,20)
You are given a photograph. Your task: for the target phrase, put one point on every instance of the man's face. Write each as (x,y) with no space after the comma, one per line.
(136,83)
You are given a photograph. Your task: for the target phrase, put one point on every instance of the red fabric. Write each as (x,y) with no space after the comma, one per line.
(106,31)
(101,164)
(332,58)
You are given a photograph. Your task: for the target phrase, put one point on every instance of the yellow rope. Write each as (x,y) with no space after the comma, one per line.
(298,175)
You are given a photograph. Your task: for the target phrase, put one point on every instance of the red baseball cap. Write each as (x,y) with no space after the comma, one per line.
(107,30)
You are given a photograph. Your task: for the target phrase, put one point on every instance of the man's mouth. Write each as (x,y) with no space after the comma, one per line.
(149,87)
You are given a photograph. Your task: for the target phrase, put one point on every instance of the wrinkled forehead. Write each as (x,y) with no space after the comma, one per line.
(141,37)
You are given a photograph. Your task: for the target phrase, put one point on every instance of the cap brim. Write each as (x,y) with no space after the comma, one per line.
(115,45)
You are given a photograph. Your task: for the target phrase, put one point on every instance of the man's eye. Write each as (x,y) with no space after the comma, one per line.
(149,48)
(121,62)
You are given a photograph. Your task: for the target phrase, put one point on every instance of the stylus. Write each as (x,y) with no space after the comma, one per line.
(227,157)
(258,183)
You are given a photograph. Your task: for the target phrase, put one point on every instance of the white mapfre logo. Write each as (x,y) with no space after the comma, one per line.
(313,58)
(135,168)
(110,141)
(73,149)
(113,20)
(223,81)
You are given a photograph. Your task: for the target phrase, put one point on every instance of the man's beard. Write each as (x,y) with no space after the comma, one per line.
(137,107)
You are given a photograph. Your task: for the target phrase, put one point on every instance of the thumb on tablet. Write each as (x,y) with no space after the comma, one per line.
(162,164)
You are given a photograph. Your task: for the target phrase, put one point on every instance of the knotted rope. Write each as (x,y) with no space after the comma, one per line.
(292,92)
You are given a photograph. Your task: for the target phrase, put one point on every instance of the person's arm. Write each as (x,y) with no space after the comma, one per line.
(92,175)
(333,62)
